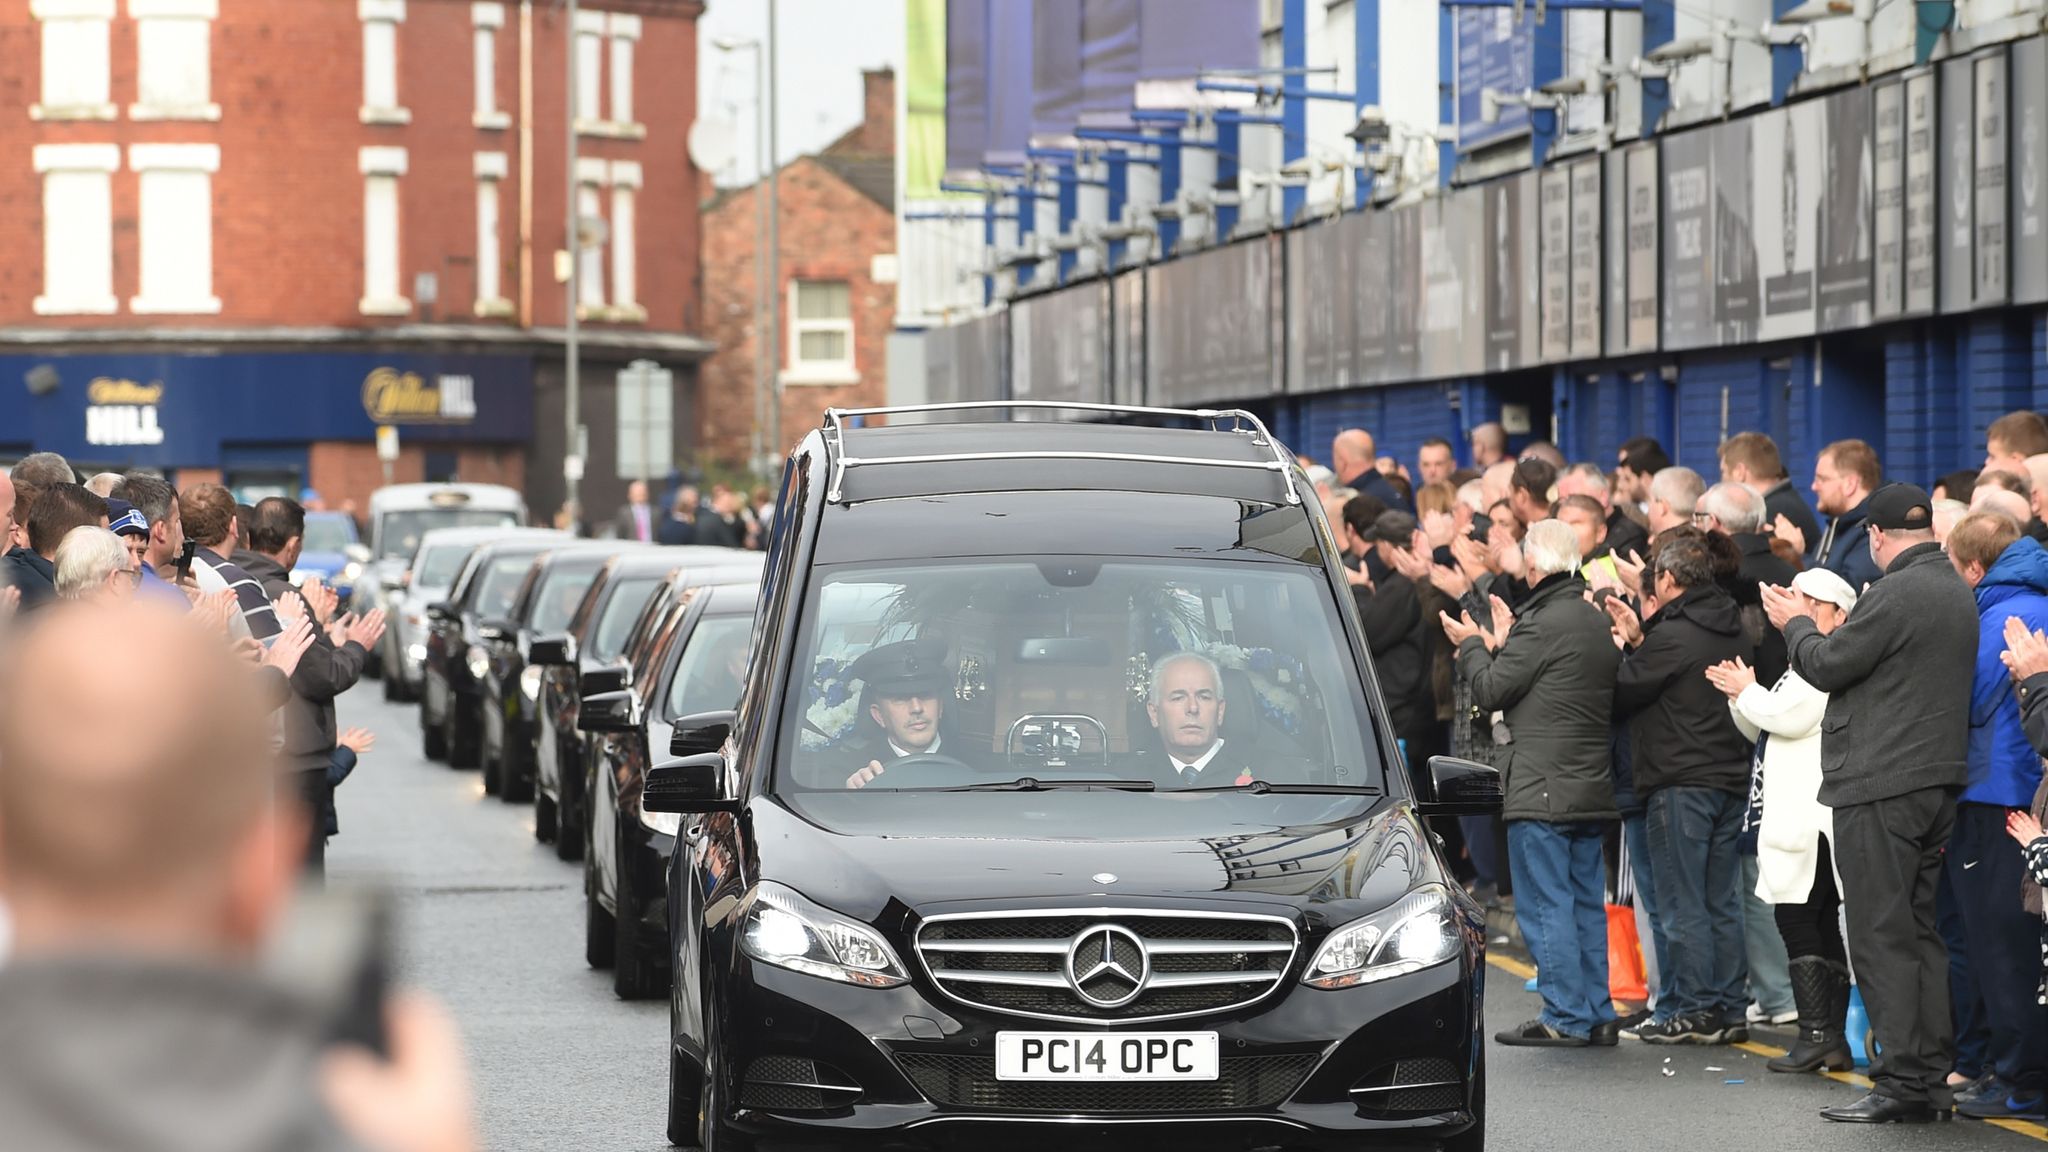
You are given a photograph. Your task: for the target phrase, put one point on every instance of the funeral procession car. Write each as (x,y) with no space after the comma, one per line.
(588,659)
(509,690)
(458,628)
(687,659)
(1060,792)
(401,515)
(429,573)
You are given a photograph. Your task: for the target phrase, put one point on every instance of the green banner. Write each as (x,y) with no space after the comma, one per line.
(924,92)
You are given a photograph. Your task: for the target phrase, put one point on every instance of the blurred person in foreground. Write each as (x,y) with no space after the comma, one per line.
(1795,872)
(1894,753)
(147,880)
(1550,669)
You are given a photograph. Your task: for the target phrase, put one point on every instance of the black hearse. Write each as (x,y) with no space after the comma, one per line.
(1060,793)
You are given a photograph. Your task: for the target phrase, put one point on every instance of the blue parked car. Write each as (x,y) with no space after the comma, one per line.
(333,552)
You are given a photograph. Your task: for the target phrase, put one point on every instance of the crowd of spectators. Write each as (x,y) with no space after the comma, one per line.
(168,759)
(1803,739)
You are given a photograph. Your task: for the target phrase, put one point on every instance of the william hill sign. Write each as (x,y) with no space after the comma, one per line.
(122,412)
(394,397)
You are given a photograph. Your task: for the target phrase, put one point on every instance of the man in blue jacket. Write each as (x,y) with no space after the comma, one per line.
(2009,573)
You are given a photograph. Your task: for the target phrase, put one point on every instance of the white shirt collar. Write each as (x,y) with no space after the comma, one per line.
(1185,767)
(900,752)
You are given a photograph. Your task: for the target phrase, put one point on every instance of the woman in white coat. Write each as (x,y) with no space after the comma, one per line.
(1795,870)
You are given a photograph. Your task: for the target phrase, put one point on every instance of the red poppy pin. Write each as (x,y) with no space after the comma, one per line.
(1244,778)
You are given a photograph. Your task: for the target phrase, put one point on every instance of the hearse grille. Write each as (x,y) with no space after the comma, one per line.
(969,1082)
(1120,965)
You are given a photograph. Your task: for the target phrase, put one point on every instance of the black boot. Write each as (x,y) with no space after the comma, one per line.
(1821,989)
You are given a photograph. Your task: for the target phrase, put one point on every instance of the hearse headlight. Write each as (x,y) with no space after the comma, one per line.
(479,662)
(781,928)
(529,682)
(1418,931)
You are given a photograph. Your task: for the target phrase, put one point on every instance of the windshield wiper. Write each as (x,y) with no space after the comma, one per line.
(1034,784)
(1261,788)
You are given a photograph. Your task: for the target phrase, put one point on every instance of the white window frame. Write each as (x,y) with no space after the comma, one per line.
(185,159)
(592,176)
(624,221)
(801,371)
(95,159)
(488,17)
(383,167)
(624,31)
(590,34)
(381,20)
(152,14)
(75,12)
(491,170)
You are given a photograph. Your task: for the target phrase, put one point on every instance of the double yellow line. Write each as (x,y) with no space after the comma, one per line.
(2030,1128)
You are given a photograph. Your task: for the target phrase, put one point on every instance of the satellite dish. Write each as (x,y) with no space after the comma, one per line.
(713,142)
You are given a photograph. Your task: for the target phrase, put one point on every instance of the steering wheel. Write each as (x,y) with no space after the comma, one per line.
(909,771)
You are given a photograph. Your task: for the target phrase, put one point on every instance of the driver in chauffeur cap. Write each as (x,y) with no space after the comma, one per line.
(901,685)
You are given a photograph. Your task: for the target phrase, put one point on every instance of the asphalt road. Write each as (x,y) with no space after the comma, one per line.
(493,925)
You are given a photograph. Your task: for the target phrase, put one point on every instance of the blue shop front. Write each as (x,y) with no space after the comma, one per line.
(256,418)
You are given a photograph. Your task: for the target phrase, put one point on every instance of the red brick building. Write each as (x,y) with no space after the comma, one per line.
(836,292)
(259,229)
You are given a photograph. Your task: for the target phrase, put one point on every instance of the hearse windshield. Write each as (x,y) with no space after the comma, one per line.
(1033,673)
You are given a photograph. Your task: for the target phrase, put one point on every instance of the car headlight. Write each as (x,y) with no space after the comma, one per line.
(417,653)
(781,928)
(529,683)
(479,662)
(1418,931)
(350,572)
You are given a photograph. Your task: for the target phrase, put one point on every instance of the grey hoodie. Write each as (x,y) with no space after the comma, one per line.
(99,1054)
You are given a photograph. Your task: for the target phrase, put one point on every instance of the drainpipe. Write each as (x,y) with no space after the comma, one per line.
(526,163)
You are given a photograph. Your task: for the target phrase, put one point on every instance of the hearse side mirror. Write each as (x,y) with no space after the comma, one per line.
(608,712)
(691,784)
(556,651)
(497,630)
(700,733)
(1461,788)
(440,610)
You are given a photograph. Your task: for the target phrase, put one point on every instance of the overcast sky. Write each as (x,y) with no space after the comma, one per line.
(824,46)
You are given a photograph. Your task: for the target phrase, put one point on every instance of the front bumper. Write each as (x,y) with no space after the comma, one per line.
(1308,1069)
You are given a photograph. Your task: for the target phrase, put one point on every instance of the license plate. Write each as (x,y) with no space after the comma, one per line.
(1106,1056)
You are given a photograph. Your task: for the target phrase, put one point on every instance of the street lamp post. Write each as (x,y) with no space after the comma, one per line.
(763,297)
(774,282)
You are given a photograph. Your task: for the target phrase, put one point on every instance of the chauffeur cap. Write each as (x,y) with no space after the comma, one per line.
(914,667)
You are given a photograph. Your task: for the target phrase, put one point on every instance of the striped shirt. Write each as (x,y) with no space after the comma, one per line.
(214,572)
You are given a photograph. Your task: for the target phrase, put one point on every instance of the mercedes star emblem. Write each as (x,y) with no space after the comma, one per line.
(1104,877)
(1100,965)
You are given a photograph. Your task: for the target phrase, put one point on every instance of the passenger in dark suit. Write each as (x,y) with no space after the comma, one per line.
(901,688)
(1186,707)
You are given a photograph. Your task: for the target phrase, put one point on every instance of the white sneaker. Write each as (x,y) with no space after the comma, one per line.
(1757,1016)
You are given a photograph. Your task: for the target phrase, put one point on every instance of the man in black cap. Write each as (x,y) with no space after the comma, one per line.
(901,690)
(1894,755)
(1390,609)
